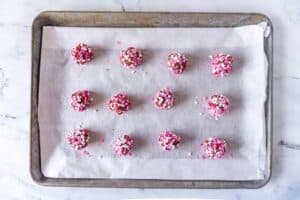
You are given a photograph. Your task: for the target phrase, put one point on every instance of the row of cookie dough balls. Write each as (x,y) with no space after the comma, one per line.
(221,64)
(212,148)
(216,105)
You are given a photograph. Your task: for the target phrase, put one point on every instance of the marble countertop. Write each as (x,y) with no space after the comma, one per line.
(15,35)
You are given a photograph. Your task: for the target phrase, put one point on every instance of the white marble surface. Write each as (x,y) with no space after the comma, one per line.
(15,32)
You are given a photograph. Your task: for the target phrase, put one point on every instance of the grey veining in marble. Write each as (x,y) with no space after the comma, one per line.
(3,81)
(15,32)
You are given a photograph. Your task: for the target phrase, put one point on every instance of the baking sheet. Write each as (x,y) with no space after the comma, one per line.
(243,127)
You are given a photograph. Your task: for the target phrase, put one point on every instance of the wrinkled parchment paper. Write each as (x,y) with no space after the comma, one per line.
(243,127)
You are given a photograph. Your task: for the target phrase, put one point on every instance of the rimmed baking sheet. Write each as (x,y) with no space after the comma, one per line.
(249,101)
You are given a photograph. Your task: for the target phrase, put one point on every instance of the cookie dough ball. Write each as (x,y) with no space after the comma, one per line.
(177,62)
(164,99)
(123,145)
(221,64)
(168,140)
(79,139)
(80,100)
(119,104)
(131,57)
(214,148)
(217,105)
(82,53)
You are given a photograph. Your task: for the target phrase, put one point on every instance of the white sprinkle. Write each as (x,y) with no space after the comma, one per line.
(201,113)
(196,102)
(133,71)
(197,97)
(190,153)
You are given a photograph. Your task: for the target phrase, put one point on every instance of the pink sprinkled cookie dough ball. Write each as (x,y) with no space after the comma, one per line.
(214,148)
(123,145)
(79,139)
(80,100)
(164,99)
(221,64)
(119,104)
(82,53)
(217,105)
(131,57)
(177,62)
(168,140)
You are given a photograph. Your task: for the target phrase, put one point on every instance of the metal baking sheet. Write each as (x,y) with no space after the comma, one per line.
(96,19)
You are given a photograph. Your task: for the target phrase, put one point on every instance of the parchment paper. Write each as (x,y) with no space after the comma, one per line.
(243,127)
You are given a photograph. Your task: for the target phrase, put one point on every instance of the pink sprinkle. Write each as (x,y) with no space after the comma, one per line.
(217,105)
(214,148)
(164,99)
(82,53)
(80,100)
(177,62)
(168,140)
(119,104)
(79,139)
(123,145)
(86,153)
(131,57)
(221,64)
